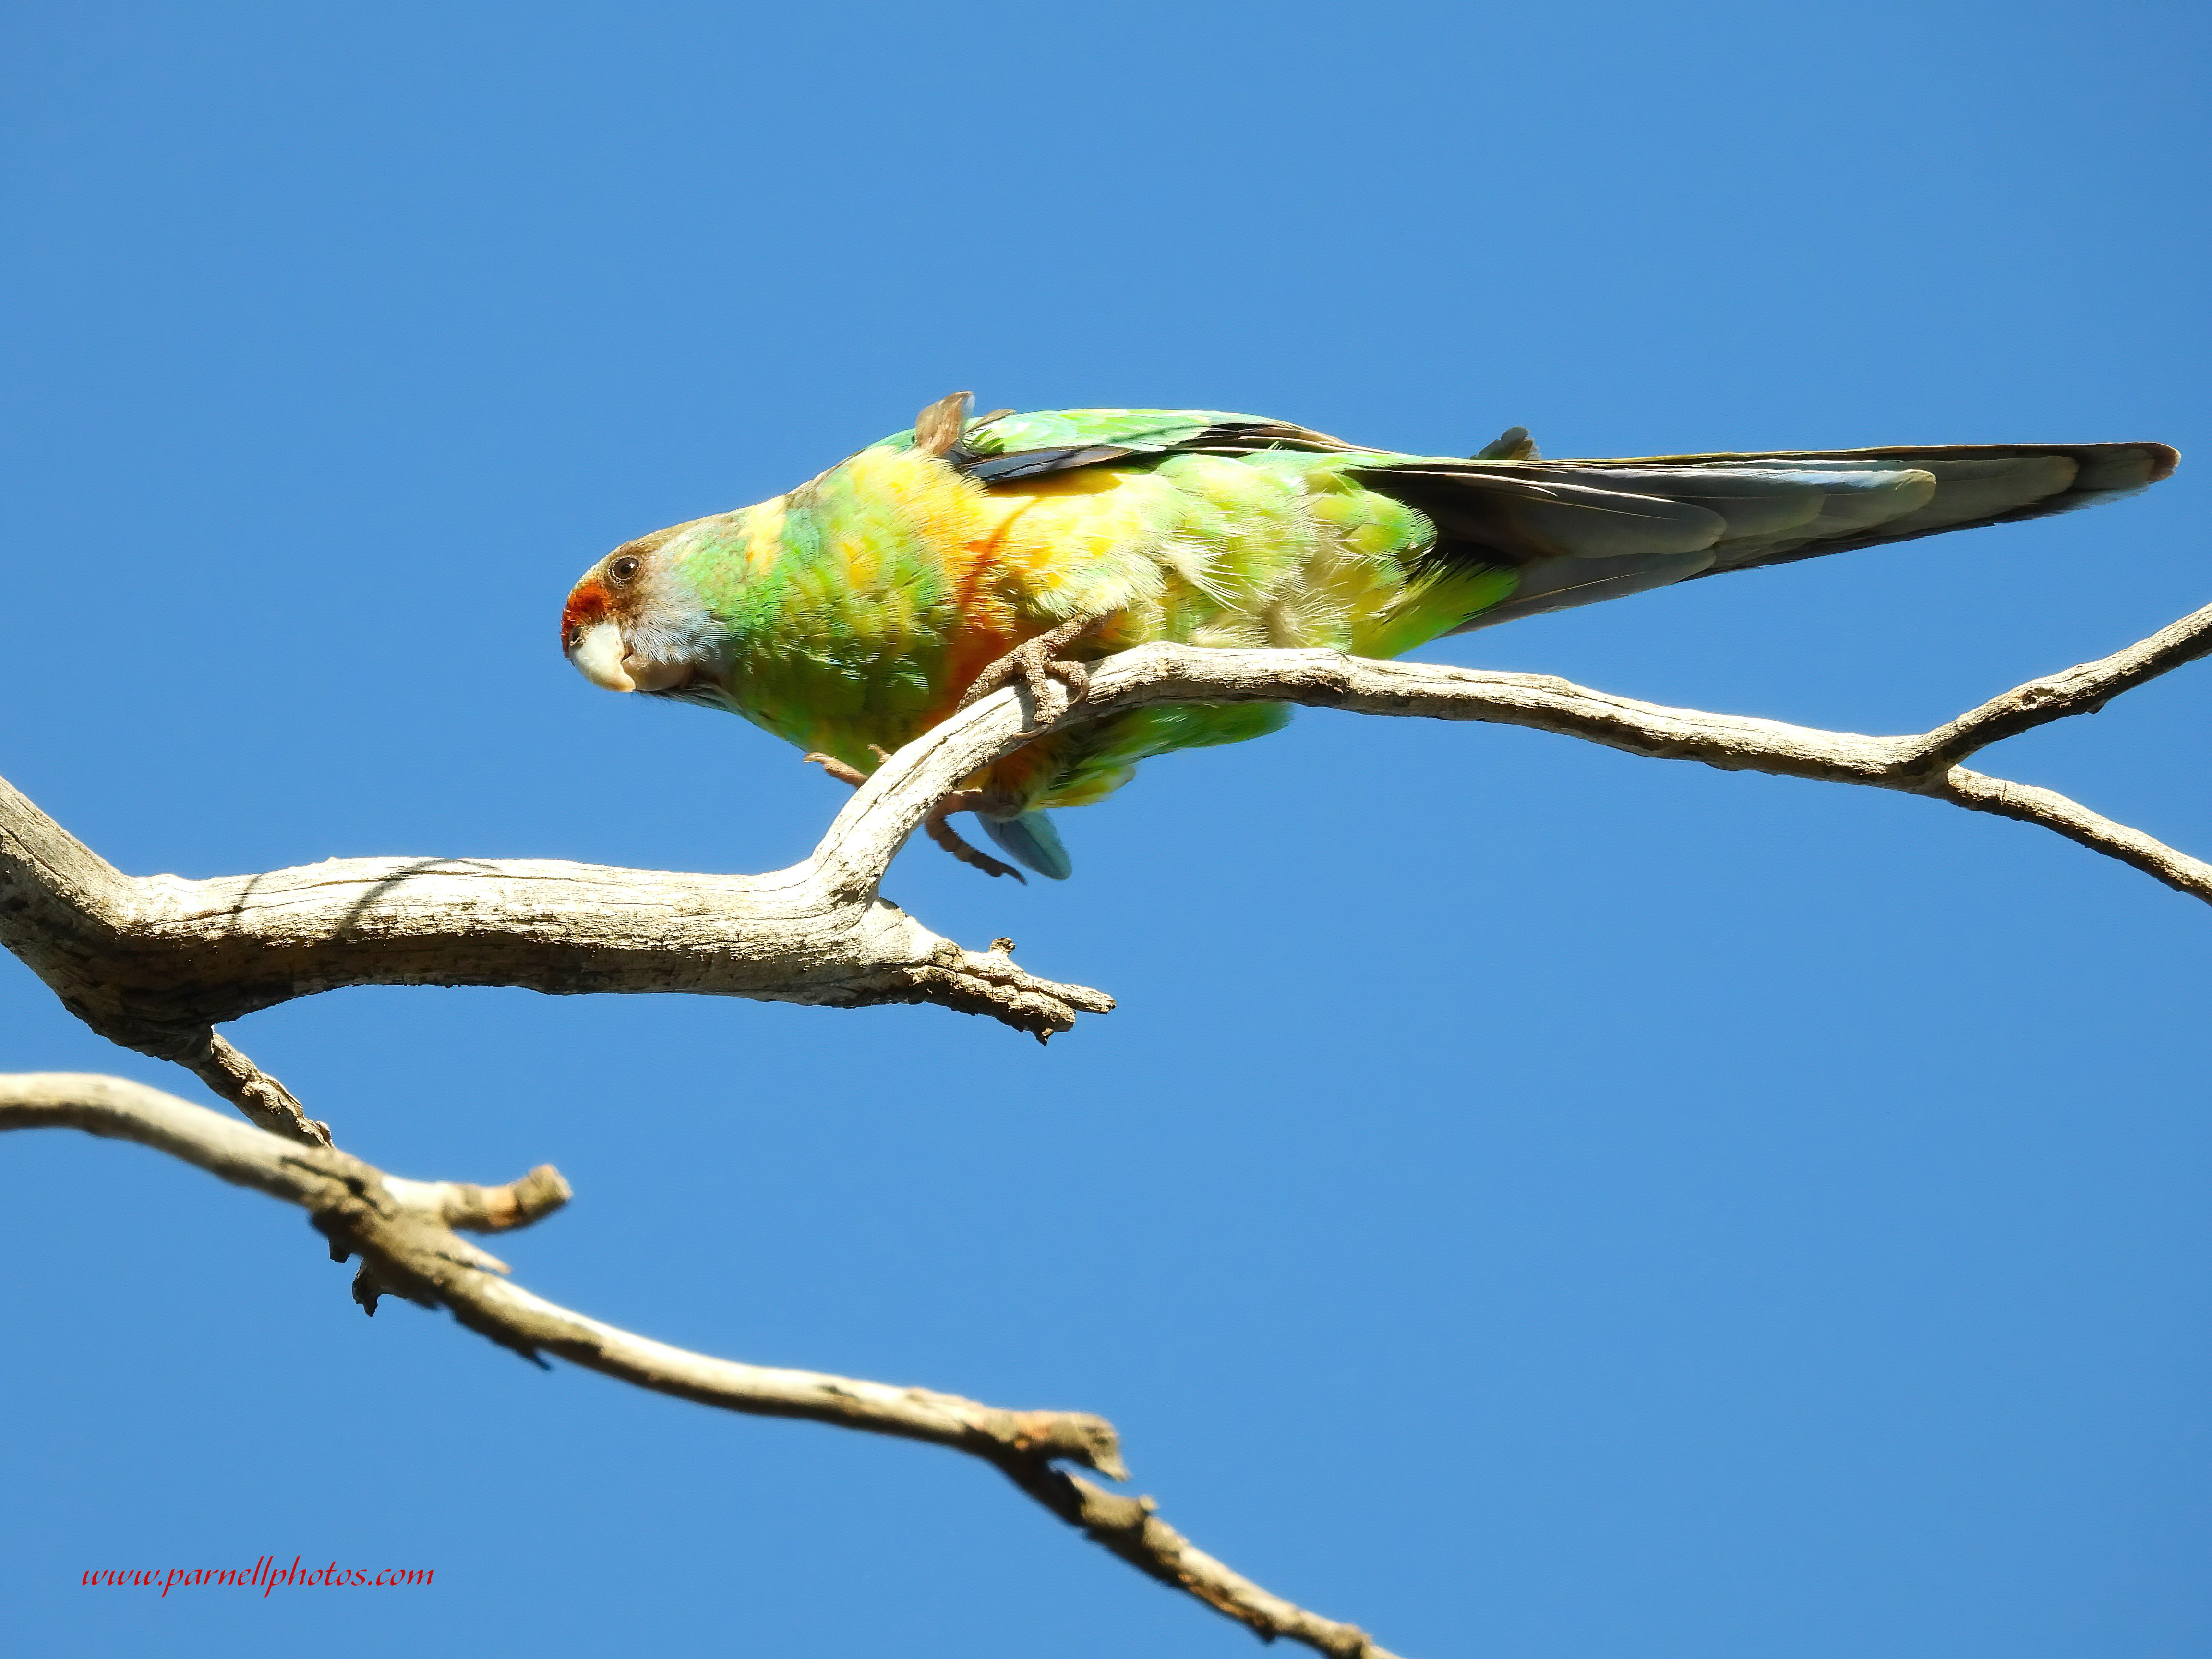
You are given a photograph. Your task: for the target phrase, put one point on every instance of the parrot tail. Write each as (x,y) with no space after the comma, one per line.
(1032,842)
(1578,531)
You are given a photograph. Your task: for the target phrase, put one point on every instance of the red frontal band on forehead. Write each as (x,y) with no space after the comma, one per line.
(587,603)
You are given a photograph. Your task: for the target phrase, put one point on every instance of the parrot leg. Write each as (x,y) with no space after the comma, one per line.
(1037,663)
(935,826)
(946,836)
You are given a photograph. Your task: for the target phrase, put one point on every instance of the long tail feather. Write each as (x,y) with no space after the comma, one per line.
(1578,531)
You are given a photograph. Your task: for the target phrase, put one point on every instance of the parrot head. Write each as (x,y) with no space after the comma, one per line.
(633,623)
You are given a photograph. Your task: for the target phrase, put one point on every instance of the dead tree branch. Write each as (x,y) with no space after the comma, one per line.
(155,962)
(1926,763)
(402,1231)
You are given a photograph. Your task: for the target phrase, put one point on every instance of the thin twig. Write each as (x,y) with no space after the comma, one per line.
(257,1094)
(2055,812)
(2080,690)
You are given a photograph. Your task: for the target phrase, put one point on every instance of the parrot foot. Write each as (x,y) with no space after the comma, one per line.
(935,826)
(1037,663)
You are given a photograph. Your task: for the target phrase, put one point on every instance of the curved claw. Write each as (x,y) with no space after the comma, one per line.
(850,776)
(1037,663)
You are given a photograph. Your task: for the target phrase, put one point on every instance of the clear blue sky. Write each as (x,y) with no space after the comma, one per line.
(1538,1203)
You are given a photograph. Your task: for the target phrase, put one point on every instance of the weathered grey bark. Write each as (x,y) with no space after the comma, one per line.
(155,962)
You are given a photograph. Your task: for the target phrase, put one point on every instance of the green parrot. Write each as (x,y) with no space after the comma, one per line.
(863,607)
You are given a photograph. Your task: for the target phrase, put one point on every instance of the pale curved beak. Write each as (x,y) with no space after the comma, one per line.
(599,657)
(603,658)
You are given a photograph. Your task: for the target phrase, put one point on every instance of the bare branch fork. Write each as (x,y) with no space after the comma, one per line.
(156,963)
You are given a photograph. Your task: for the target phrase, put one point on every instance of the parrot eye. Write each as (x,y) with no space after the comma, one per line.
(625,567)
